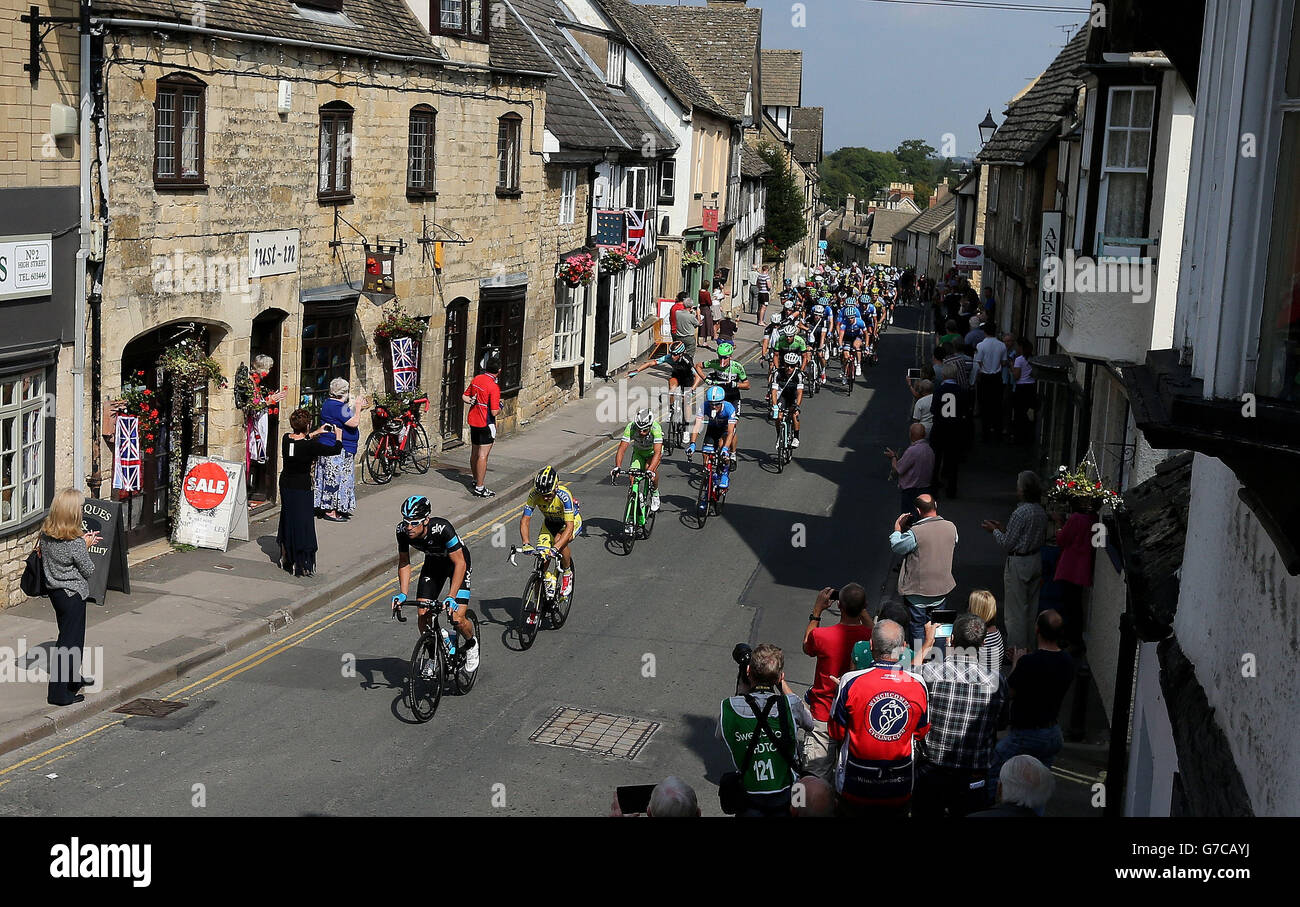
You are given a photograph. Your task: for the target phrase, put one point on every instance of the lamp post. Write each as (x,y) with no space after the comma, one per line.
(987,128)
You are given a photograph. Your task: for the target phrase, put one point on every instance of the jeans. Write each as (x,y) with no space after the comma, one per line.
(1043,743)
(919,612)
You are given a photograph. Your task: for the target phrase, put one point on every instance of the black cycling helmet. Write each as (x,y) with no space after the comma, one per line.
(416,508)
(546,480)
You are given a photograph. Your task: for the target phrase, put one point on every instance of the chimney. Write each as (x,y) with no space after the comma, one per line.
(851,204)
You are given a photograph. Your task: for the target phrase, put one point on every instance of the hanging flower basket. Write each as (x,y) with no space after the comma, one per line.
(694,259)
(576,270)
(617,259)
(190,370)
(250,396)
(1081,488)
(139,401)
(399,323)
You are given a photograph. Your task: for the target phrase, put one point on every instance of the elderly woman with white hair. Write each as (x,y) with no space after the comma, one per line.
(336,492)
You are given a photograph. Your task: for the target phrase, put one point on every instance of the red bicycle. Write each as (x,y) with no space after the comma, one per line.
(400,440)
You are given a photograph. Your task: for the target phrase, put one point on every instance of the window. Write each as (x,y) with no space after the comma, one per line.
(332,5)
(326,353)
(643,300)
(460,19)
(615,61)
(636,188)
(1018,209)
(336,150)
(22,446)
(178,132)
(567,348)
(1126,155)
(501,325)
(568,195)
(780,116)
(420,159)
(1278,372)
(508,154)
(667,182)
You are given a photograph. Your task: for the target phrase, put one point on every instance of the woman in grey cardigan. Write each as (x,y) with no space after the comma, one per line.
(65,558)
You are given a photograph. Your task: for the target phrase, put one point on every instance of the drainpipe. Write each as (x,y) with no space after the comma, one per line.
(79,477)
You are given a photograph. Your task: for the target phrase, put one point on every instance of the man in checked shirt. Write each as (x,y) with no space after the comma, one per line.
(1022,576)
(966,704)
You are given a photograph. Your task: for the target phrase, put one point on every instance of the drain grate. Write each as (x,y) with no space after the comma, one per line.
(150,708)
(599,733)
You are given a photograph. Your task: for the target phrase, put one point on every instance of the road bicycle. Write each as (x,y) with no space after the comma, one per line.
(399,441)
(542,592)
(784,434)
(815,371)
(675,431)
(712,496)
(852,365)
(438,661)
(638,518)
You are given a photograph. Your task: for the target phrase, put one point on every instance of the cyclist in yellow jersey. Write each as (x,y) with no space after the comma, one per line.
(561,520)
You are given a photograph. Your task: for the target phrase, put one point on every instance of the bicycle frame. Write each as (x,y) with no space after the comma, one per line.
(638,497)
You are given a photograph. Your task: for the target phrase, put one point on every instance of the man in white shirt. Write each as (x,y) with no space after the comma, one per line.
(990,357)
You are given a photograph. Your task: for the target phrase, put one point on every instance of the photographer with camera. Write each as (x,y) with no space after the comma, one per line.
(832,647)
(759,728)
(925,576)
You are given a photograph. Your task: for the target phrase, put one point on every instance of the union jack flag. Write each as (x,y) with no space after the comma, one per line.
(404,364)
(639,230)
(126,460)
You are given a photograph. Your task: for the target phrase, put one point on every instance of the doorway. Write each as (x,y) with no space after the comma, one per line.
(265,341)
(451,408)
(600,353)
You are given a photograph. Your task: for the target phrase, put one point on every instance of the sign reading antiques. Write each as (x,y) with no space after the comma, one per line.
(25,266)
(109,556)
(271,253)
(1046,324)
(213,507)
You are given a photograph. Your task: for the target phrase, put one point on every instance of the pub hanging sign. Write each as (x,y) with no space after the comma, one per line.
(377,283)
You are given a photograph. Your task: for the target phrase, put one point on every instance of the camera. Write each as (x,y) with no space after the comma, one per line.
(741,655)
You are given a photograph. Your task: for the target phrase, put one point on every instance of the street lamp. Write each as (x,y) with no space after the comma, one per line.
(987,128)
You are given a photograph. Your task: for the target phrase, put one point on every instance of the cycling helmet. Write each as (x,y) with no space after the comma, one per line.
(546,480)
(643,420)
(789,304)
(818,309)
(716,394)
(789,330)
(788,282)
(725,349)
(776,317)
(677,349)
(791,359)
(416,508)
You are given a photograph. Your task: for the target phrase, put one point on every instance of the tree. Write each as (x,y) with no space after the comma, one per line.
(785,216)
(914,157)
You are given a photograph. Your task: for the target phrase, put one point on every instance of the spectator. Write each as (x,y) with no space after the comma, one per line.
(985,606)
(721,301)
(976,333)
(812,798)
(678,306)
(990,304)
(727,328)
(950,334)
(257,428)
(990,357)
(65,561)
(965,704)
(1008,380)
(832,647)
(336,491)
(915,468)
(761,714)
(1024,394)
(1074,568)
(298,448)
(705,298)
(965,364)
(1037,687)
(878,715)
(923,394)
(950,434)
(672,798)
(1022,574)
(688,324)
(925,576)
(1024,788)
(484,397)
(764,284)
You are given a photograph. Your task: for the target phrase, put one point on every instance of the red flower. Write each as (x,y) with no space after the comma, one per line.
(154,413)
(148,450)
(147,392)
(148,437)
(1071,485)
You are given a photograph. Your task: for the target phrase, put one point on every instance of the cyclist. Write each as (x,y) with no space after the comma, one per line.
(818,332)
(445,559)
(647,439)
(851,329)
(727,373)
(771,331)
(721,431)
(561,520)
(682,378)
(790,342)
(787,388)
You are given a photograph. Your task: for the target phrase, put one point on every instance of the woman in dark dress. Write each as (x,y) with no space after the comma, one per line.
(298,449)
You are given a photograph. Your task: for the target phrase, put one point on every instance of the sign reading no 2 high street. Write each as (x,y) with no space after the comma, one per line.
(25,266)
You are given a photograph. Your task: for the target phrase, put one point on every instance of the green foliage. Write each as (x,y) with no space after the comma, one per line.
(862,172)
(785,215)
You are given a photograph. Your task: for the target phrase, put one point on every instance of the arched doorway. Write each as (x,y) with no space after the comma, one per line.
(451,408)
(146,510)
(265,341)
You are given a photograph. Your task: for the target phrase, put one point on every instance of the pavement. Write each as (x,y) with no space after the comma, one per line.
(187,608)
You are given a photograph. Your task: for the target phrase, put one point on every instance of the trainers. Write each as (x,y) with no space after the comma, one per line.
(654,503)
(566,584)
(484,492)
(471,656)
(723,481)
(794,442)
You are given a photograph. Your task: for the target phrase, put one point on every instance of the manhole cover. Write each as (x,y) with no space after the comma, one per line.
(150,708)
(595,732)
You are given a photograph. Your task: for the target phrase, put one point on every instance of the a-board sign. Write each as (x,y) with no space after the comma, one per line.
(109,556)
(213,507)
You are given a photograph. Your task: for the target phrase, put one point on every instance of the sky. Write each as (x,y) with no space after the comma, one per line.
(886,72)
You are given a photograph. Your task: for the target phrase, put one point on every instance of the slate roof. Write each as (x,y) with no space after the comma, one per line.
(782,77)
(752,164)
(931,220)
(511,47)
(667,63)
(717,43)
(1034,117)
(885,223)
(805,131)
(387,26)
(582,112)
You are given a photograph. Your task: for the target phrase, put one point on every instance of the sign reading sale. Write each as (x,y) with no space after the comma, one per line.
(213,507)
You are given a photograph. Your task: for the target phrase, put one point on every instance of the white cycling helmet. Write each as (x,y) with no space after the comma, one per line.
(776,317)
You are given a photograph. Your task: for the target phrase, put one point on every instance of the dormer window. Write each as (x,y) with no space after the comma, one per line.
(780,116)
(616,60)
(459,19)
(335,6)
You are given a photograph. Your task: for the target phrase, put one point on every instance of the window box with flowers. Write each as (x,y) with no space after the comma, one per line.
(617,259)
(693,259)
(576,270)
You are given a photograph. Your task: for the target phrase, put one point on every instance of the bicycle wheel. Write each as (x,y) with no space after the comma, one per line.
(376,458)
(424,677)
(705,498)
(560,608)
(780,445)
(649,522)
(668,433)
(463,679)
(628,539)
(530,611)
(418,449)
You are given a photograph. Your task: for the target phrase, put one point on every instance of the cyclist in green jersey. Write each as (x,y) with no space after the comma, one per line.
(646,437)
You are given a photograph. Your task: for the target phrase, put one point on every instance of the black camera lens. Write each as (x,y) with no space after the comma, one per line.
(740,654)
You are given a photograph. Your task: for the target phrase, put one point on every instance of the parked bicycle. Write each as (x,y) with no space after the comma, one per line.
(438,662)
(399,441)
(542,598)
(638,518)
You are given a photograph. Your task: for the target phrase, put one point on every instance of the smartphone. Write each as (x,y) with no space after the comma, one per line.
(913,374)
(634,798)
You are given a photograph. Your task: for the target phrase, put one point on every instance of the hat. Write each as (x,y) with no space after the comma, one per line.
(862,654)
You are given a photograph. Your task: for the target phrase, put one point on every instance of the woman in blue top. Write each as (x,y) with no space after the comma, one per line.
(335,475)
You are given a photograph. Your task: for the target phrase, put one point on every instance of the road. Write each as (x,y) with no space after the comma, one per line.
(314,723)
